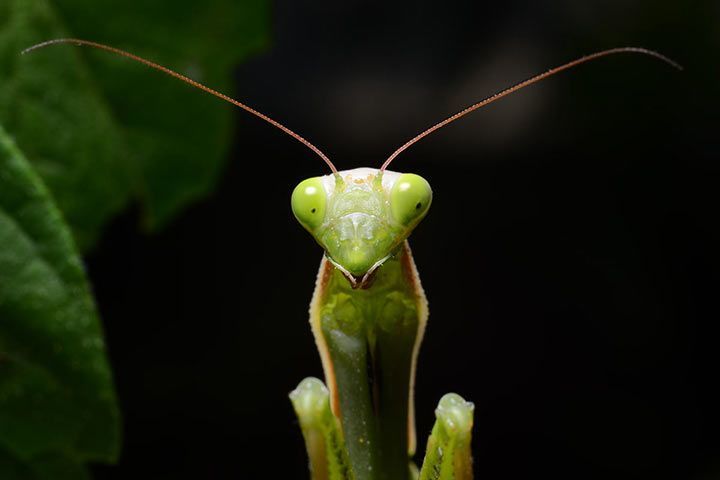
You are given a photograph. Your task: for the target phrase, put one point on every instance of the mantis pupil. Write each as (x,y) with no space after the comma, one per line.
(313,210)
(418,206)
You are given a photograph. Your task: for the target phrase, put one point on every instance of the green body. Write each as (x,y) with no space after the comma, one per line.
(448,451)
(368,316)
(321,430)
(370,337)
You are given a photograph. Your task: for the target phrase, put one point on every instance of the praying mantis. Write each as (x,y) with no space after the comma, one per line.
(369,311)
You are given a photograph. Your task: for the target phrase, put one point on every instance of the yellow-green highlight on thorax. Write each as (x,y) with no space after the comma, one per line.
(362,216)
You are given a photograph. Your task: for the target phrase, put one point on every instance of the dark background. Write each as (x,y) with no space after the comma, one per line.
(570,256)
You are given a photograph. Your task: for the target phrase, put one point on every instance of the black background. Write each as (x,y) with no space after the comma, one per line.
(570,256)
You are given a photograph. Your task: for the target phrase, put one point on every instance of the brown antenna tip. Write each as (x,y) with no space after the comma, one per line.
(526,83)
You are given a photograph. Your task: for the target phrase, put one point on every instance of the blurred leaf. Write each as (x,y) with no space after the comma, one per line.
(101,129)
(179,137)
(59,119)
(44,467)
(57,403)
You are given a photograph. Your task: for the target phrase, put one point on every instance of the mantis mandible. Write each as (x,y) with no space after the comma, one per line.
(369,311)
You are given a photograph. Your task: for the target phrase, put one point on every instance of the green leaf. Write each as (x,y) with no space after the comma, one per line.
(57,402)
(179,137)
(102,129)
(44,467)
(60,120)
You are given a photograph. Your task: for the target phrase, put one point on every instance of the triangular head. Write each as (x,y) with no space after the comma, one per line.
(361,217)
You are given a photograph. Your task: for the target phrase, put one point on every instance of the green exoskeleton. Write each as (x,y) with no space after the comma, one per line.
(368,314)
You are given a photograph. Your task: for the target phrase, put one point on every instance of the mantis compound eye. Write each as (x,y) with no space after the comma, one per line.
(308,203)
(410,198)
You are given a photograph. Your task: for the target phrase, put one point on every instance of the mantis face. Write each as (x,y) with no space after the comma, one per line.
(360,217)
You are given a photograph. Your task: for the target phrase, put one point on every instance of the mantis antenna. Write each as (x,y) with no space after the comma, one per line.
(190,81)
(524,84)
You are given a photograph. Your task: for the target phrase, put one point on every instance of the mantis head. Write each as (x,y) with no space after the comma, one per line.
(360,217)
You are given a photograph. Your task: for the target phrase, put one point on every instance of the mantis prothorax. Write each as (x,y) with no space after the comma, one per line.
(369,311)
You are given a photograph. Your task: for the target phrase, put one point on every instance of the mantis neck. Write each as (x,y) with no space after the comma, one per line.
(368,340)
